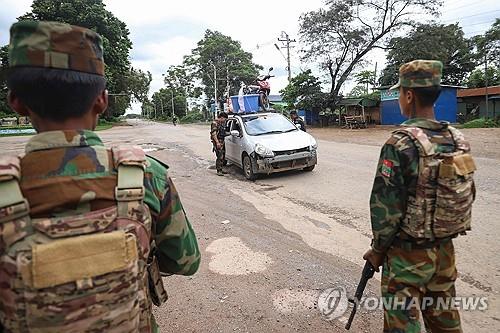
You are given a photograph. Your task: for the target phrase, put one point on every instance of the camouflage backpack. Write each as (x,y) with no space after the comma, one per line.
(445,188)
(78,273)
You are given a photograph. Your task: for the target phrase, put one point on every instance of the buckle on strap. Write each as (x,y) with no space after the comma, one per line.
(129,194)
(14,211)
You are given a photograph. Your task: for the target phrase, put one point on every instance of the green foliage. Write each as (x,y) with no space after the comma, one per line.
(231,62)
(192,117)
(488,45)
(162,102)
(432,41)
(481,123)
(303,92)
(5,110)
(477,78)
(120,76)
(341,34)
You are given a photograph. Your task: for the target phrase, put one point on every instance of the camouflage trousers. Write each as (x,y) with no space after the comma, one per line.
(423,276)
(221,156)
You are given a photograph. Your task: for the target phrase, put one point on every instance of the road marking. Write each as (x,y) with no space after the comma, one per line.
(232,257)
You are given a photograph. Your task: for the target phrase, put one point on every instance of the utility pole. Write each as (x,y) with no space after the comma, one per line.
(173,107)
(286,39)
(486,81)
(161,104)
(215,87)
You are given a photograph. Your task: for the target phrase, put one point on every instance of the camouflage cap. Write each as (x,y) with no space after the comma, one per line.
(55,45)
(419,74)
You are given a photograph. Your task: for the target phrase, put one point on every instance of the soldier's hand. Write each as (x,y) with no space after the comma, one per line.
(376,259)
(219,145)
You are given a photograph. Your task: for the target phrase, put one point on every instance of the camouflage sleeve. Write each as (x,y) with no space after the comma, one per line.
(396,167)
(213,132)
(177,247)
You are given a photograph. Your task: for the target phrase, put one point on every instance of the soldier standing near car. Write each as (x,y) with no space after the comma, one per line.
(421,199)
(84,230)
(297,120)
(217,135)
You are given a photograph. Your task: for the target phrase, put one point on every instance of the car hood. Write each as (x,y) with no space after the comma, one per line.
(284,141)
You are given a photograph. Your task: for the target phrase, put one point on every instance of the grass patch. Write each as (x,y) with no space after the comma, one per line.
(481,123)
(103,127)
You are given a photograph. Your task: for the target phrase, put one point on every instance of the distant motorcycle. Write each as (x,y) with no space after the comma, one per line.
(262,88)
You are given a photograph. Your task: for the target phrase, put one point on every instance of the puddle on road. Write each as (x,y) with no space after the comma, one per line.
(151,147)
(232,257)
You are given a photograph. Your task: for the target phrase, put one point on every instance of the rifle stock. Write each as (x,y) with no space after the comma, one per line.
(367,274)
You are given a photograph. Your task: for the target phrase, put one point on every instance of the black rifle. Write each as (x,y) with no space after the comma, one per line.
(368,271)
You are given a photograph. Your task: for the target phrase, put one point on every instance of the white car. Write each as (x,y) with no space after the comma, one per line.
(264,143)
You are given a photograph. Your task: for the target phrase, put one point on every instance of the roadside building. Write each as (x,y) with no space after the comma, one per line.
(445,108)
(472,102)
(366,109)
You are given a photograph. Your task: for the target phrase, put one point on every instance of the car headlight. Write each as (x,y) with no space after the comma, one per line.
(313,144)
(263,150)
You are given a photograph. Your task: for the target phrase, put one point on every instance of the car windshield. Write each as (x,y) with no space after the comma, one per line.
(267,124)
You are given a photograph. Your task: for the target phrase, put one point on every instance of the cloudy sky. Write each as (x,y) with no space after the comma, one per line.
(163,31)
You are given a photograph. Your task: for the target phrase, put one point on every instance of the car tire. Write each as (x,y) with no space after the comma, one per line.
(247,168)
(309,168)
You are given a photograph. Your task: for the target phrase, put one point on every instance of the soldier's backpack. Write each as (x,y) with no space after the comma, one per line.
(80,273)
(445,188)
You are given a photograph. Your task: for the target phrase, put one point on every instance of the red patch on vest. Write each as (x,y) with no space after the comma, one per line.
(387,168)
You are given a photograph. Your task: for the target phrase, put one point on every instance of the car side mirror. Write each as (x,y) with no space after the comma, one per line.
(270,69)
(235,133)
(299,126)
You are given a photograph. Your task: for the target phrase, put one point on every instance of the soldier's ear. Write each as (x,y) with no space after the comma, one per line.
(100,103)
(17,105)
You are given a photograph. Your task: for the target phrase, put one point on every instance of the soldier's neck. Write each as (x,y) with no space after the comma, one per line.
(86,122)
(425,112)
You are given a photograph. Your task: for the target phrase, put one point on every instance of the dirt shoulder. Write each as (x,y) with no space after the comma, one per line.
(485,142)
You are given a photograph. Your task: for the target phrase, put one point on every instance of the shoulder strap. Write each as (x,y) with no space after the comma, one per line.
(459,139)
(421,140)
(12,202)
(130,162)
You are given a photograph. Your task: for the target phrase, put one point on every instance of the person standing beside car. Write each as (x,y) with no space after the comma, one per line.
(217,135)
(297,120)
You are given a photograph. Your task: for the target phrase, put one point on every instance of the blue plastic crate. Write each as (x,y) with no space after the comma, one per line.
(250,103)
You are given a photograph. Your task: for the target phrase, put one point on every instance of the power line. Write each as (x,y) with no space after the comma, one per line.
(286,39)
(475,15)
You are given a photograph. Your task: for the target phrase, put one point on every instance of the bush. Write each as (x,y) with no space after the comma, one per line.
(192,117)
(481,123)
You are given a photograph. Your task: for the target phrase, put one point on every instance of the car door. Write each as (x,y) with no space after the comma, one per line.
(230,142)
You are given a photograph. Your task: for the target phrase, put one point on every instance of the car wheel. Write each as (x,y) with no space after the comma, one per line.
(309,168)
(247,168)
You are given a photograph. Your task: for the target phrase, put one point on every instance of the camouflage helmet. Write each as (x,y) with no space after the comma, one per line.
(419,74)
(55,45)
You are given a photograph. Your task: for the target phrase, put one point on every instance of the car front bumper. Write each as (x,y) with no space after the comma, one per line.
(280,163)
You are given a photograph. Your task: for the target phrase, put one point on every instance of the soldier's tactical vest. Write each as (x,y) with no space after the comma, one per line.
(79,273)
(445,188)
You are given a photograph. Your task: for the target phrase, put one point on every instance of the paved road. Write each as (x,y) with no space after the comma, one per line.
(270,247)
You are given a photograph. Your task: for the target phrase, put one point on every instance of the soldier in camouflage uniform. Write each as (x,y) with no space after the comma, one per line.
(217,135)
(70,194)
(413,222)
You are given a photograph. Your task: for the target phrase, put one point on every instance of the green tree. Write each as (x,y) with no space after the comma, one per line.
(365,78)
(340,35)
(358,91)
(232,64)
(4,59)
(162,103)
(432,41)
(92,14)
(477,78)
(303,92)
(488,45)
